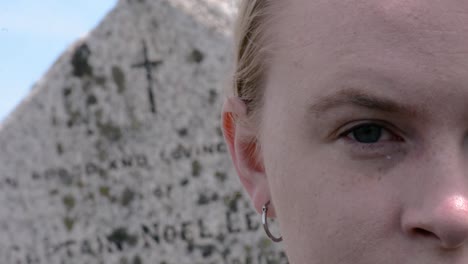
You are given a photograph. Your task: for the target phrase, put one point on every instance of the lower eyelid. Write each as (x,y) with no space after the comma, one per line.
(376,150)
(388,144)
(372,150)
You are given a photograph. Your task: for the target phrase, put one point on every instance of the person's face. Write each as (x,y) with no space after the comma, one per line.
(364,132)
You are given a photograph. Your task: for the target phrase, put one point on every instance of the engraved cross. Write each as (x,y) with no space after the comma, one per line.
(148,65)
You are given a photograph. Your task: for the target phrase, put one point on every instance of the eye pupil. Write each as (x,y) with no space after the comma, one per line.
(367,133)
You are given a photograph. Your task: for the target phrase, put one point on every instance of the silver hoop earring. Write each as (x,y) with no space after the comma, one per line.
(265,224)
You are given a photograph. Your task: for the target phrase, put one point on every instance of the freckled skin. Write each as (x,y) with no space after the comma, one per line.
(337,200)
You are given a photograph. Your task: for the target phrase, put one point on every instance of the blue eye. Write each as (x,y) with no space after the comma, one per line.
(367,133)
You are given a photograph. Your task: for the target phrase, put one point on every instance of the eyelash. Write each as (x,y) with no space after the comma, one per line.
(384,129)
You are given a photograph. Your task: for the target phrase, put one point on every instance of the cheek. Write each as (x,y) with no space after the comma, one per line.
(325,205)
(325,201)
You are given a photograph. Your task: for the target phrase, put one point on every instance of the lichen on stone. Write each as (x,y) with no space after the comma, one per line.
(68,223)
(69,202)
(80,62)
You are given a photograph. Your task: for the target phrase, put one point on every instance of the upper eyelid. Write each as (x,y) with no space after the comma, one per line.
(363,123)
(347,126)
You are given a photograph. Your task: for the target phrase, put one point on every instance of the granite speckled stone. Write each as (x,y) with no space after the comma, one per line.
(117,155)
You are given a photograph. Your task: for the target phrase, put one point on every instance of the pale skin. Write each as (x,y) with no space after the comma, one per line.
(364,131)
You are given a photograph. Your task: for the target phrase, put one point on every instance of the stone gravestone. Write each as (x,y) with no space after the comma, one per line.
(117,156)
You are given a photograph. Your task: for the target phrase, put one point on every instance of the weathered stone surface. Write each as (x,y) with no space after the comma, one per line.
(117,155)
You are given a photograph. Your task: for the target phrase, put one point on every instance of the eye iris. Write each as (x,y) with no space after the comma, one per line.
(367,133)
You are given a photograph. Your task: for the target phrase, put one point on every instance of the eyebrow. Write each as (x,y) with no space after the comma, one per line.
(356,97)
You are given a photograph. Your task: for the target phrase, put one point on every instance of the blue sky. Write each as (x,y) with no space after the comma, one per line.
(33,34)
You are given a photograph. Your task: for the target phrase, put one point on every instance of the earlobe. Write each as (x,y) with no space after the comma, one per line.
(242,142)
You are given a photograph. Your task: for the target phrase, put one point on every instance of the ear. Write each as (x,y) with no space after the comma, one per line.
(241,138)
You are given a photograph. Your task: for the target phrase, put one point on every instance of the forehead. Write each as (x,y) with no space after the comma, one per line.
(415,26)
(414,39)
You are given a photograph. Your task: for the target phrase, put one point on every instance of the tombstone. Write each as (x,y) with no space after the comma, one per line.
(117,155)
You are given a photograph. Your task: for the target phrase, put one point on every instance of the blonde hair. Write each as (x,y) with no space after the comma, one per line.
(250,64)
(251,54)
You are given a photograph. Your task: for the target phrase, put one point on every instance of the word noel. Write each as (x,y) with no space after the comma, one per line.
(185,231)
